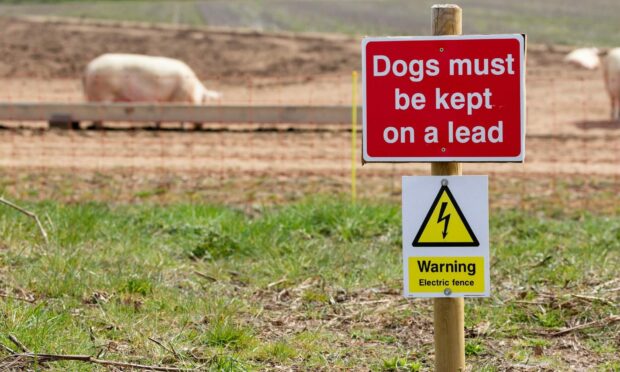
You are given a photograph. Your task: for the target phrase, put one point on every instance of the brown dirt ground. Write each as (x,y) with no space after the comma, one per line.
(44,50)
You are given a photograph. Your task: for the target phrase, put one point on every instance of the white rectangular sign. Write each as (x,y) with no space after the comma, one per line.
(446,236)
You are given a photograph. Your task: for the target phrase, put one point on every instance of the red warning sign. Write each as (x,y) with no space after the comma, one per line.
(444,98)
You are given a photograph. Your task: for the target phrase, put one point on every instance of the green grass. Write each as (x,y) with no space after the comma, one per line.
(473,348)
(311,284)
(571,22)
(176,12)
(400,364)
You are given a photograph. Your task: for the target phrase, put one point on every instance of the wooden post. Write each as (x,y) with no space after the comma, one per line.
(449,313)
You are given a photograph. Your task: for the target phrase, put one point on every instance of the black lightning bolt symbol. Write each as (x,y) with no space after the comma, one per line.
(445,218)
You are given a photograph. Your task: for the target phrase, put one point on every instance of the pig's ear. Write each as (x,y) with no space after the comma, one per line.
(602,52)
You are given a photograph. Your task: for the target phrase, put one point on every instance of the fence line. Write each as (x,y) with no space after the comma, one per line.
(572,148)
(136,112)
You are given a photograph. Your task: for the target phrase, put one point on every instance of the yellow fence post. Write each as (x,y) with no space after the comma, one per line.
(354,136)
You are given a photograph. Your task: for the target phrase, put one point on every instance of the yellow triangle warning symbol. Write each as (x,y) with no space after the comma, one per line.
(445,225)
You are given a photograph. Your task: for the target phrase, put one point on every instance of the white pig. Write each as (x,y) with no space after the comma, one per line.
(610,62)
(140,78)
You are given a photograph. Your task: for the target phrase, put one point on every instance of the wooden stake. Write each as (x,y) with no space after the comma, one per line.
(29,214)
(449,318)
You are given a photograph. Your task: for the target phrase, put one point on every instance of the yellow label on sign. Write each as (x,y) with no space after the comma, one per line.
(445,225)
(435,274)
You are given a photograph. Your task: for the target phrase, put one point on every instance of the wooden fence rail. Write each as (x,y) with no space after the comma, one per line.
(132,112)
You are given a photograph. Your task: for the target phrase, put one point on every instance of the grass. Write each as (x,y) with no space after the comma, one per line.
(313,284)
(554,21)
(175,12)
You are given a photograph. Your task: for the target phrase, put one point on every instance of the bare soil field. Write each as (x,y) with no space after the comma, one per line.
(568,131)
(47,50)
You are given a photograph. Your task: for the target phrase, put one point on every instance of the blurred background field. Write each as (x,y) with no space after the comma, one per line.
(571,22)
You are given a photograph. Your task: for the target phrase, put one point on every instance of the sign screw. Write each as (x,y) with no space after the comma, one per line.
(443,149)
(447,291)
(444,182)
(441,49)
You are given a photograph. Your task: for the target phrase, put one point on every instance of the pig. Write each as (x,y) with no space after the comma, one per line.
(584,57)
(140,78)
(609,60)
